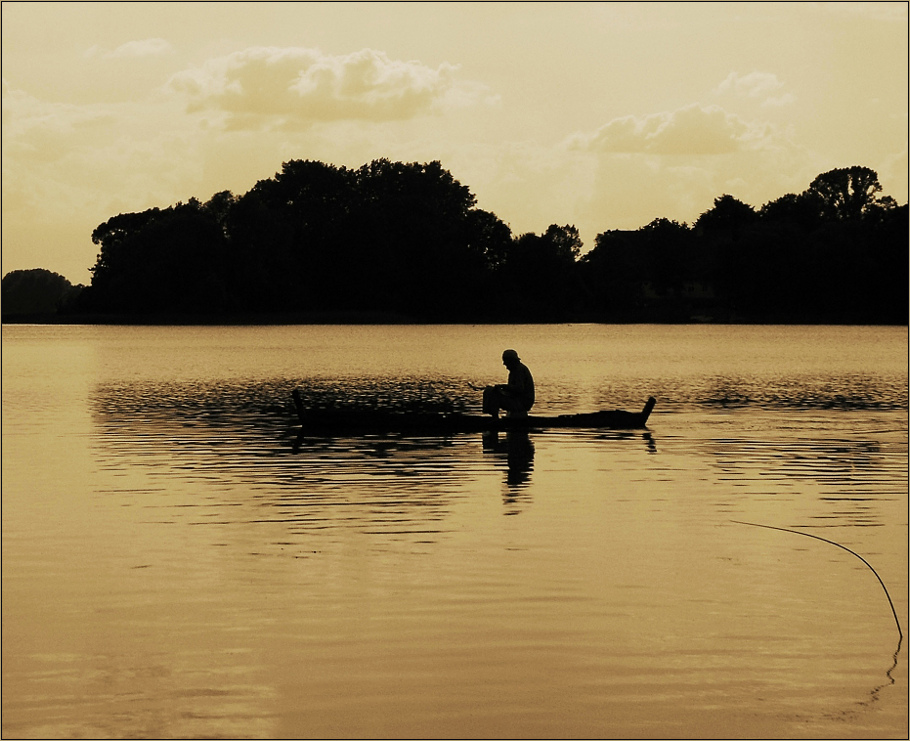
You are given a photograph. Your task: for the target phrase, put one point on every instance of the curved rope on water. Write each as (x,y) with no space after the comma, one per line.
(825,540)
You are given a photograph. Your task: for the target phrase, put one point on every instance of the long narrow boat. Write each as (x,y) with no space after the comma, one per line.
(356,422)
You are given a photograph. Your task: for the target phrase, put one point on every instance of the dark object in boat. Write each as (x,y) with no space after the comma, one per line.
(353,422)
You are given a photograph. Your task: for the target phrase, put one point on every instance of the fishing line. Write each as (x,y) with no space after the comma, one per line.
(825,540)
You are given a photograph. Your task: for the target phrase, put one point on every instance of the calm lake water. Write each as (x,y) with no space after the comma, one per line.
(177,562)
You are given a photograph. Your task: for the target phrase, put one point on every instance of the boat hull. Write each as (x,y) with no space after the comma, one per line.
(337,422)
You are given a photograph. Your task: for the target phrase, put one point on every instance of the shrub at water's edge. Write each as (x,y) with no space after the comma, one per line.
(391,241)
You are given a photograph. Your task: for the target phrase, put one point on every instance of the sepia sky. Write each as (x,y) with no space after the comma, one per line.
(601,115)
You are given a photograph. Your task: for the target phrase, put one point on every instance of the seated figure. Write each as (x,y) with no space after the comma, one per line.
(516,396)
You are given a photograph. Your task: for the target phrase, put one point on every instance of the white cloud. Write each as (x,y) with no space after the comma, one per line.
(779,101)
(133,49)
(877,11)
(43,128)
(293,87)
(691,130)
(674,164)
(892,173)
(144,48)
(753,85)
(527,184)
(763,87)
(67,167)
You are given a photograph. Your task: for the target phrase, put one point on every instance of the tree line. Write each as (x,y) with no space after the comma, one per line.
(36,293)
(407,240)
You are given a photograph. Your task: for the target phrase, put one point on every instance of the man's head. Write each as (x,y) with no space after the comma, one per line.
(510,358)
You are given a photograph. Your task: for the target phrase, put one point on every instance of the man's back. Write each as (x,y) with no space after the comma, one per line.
(521,380)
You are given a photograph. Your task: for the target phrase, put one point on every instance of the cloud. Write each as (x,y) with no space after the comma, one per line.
(753,85)
(133,49)
(893,175)
(692,130)
(631,190)
(778,101)
(673,164)
(528,184)
(44,129)
(762,86)
(875,11)
(68,167)
(294,87)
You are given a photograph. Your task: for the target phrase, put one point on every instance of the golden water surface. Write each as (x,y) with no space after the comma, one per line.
(179,562)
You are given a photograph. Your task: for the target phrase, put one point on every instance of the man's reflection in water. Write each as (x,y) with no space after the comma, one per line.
(518,450)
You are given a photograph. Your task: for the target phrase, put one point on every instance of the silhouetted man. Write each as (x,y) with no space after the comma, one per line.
(515,397)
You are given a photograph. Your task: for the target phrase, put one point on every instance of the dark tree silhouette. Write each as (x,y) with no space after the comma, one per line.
(847,192)
(729,216)
(828,254)
(538,280)
(387,237)
(408,239)
(648,274)
(160,261)
(803,210)
(36,291)
(613,274)
(286,238)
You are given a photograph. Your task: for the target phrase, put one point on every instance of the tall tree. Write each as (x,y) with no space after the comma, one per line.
(803,210)
(538,278)
(168,260)
(846,192)
(728,215)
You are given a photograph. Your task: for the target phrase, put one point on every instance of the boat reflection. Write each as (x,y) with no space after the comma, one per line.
(236,437)
(649,441)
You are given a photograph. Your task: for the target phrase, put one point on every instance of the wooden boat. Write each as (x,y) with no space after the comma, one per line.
(355,422)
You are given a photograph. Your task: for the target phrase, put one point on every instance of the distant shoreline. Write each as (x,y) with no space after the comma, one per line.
(379,318)
(227,320)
